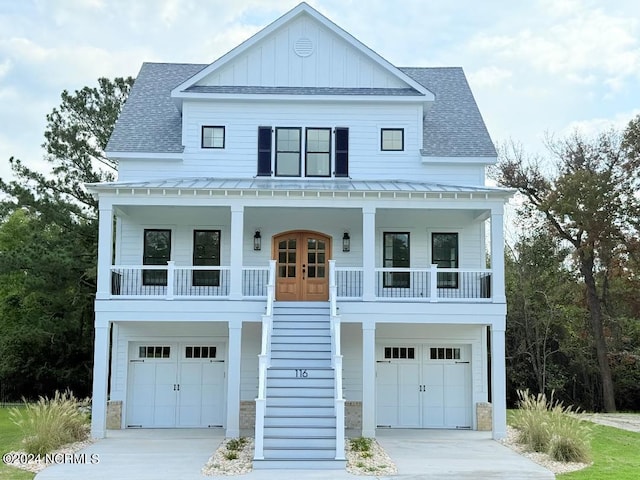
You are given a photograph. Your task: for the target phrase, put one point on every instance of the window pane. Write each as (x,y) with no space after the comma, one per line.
(392,139)
(212,137)
(206,251)
(318,164)
(396,255)
(288,164)
(156,251)
(444,253)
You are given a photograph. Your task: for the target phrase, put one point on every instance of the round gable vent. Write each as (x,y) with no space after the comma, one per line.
(303,47)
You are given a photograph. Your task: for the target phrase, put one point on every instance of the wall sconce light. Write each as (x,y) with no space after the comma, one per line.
(257,241)
(346,242)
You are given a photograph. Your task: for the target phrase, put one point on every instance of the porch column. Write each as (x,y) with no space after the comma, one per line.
(368,253)
(369,380)
(237,244)
(497,255)
(233,380)
(105,251)
(498,382)
(100,374)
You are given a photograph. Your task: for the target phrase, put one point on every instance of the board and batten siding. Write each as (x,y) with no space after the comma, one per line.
(325,60)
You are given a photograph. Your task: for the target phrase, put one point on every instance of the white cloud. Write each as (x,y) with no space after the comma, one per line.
(593,126)
(491,76)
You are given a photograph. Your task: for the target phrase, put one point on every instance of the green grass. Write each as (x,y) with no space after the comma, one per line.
(615,454)
(10,439)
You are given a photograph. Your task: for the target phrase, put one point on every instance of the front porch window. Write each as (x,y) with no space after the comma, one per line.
(444,253)
(396,255)
(206,251)
(156,251)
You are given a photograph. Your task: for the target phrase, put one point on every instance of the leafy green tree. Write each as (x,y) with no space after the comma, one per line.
(48,247)
(588,201)
(539,287)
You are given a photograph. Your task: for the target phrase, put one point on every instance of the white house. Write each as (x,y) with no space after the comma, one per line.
(298,239)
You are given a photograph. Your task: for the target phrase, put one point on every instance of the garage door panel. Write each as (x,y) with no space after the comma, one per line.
(176,391)
(434,392)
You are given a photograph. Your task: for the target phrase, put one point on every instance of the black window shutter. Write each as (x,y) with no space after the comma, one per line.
(342,152)
(264,151)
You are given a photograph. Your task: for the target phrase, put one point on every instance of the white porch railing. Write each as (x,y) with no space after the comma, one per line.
(431,284)
(336,361)
(264,361)
(171,281)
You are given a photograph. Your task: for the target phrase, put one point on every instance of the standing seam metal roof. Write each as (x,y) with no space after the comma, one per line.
(150,122)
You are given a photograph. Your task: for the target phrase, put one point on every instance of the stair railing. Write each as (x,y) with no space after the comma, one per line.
(336,361)
(264,362)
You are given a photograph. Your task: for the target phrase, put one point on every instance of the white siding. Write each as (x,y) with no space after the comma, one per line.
(272,221)
(332,63)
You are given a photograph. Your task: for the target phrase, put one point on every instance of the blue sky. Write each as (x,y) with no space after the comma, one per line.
(534,66)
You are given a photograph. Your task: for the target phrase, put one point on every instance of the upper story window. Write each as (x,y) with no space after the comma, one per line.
(318,152)
(320,159)
(392,139)
(212,137)
(288,152)
(156,251)
(445,254)
(396,254)
(206,251)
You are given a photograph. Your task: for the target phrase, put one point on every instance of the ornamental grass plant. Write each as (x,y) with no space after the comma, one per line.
(50,423)
(547,426)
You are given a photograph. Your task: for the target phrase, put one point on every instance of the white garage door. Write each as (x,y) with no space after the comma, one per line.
(175,385)
(423,386)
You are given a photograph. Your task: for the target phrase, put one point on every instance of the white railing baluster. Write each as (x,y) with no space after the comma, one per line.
(264,361)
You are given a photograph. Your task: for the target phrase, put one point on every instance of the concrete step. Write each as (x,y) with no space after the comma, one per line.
(299,464)
(301,442)
(300,452)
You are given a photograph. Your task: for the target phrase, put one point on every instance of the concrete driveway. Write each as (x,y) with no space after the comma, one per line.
(180,455)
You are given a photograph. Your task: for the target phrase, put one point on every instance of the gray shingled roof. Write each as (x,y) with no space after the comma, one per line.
(150,122)
(453,126)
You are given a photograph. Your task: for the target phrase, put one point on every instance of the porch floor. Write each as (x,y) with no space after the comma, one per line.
(157,454)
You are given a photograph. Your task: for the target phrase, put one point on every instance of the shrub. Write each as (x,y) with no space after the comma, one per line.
(547,426)
(236,444)
(50,423)
(361,444)
(231,455)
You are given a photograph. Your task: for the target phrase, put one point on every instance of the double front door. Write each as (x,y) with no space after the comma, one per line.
(302,266)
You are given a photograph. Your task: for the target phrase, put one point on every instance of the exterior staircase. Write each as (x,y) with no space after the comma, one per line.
(300,418)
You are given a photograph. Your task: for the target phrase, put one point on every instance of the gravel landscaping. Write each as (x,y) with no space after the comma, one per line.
(540,458)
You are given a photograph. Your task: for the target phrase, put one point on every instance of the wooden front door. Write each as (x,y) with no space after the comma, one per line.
(302,266)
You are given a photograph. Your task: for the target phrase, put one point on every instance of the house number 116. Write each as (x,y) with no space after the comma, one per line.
(301,373)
